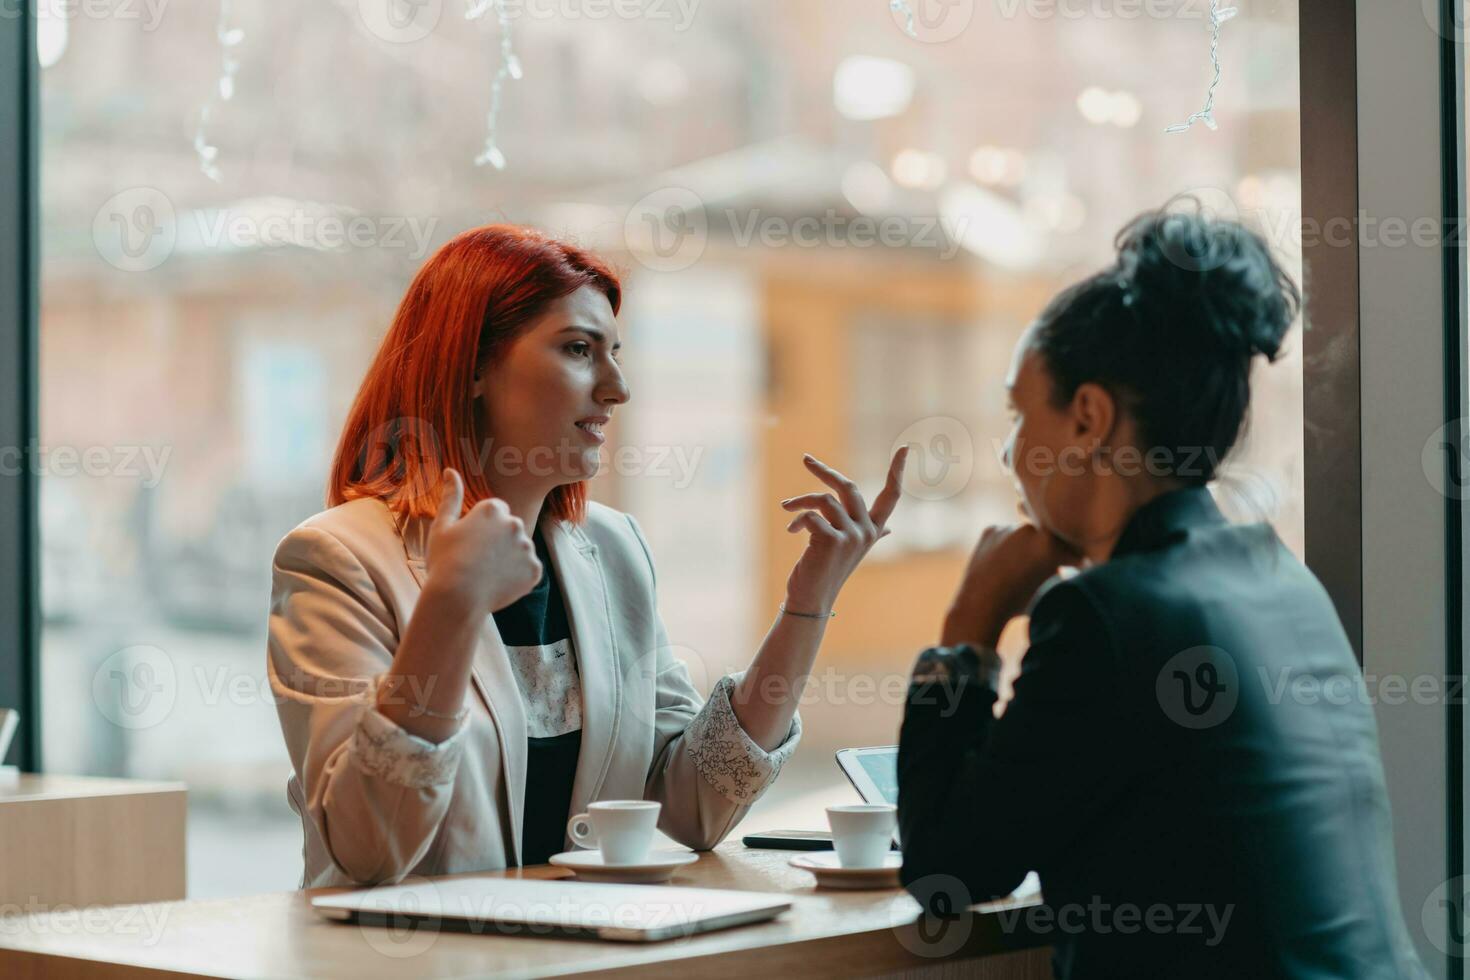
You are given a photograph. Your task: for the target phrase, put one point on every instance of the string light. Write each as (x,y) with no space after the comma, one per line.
(510,67)
(902,7)
(1218,16)
(229,38)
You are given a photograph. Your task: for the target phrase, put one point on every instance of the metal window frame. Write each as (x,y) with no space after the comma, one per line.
(19,303)
(1391,556)
(1384,355)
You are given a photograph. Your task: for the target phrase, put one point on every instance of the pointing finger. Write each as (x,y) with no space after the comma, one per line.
(892,488)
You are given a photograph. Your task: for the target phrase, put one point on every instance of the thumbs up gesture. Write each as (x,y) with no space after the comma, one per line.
(484,557)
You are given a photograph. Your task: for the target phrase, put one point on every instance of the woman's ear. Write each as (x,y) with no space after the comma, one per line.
(1094,415)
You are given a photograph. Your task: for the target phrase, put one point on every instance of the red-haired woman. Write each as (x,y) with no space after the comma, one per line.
(463,648)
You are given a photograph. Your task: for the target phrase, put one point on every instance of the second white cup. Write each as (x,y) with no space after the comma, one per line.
(862,832)
(623,829)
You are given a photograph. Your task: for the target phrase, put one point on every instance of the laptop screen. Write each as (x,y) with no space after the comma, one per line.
(882,769)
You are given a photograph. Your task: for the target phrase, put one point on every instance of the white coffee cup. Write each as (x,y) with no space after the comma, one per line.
(862,832)
(623,829)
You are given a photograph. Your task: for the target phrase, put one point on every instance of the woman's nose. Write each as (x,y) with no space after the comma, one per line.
(612,387)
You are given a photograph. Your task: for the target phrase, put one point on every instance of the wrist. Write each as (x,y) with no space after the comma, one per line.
(814,606)
(450,599)
(964,625)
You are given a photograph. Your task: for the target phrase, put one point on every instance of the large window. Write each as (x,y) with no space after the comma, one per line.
(832,232)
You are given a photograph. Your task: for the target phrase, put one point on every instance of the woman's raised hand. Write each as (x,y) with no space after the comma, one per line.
(840,529)
(484,558)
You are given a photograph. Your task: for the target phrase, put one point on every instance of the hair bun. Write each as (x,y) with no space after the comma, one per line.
(1212,281)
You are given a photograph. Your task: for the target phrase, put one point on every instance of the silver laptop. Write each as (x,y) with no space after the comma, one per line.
(517,906)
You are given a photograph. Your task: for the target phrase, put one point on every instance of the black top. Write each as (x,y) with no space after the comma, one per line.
(1188,816)
(539,620)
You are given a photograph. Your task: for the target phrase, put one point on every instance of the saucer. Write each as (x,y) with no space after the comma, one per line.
(655,867)
(831,874)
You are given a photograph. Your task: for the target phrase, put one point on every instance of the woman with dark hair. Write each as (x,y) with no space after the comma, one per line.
(464,650)
(1187,816)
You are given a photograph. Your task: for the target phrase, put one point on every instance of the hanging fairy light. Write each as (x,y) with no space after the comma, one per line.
(510,67)
(229,38)
(902,8)
(1218,16)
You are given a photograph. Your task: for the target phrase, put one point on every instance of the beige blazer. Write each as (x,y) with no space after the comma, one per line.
(377,803)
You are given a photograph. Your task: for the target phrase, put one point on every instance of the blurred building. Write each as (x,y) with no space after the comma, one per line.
(832,234)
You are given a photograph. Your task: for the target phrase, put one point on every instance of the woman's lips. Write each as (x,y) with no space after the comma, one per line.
(593,431)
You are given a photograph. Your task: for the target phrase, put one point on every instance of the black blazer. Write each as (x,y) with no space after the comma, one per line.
(1190,763)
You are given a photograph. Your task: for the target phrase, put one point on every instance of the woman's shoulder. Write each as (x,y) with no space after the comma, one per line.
(363,528)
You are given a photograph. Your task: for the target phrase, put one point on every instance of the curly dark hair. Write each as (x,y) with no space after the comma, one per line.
(1171,328)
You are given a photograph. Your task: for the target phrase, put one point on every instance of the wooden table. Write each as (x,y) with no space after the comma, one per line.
(83,840)
(826,933)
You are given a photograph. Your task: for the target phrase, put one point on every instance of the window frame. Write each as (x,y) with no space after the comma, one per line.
(19,308)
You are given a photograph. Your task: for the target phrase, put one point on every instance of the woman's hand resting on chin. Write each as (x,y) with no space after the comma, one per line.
(1008,565)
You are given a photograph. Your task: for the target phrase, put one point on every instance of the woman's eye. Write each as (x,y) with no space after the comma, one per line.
(580,348)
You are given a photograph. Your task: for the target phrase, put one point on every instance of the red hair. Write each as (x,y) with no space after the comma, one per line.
(413,415)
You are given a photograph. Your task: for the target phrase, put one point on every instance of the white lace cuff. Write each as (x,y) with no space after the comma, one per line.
(386,750)
(726,756)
